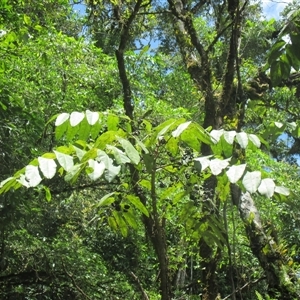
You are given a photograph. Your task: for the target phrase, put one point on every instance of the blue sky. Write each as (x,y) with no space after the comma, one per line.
(273,8)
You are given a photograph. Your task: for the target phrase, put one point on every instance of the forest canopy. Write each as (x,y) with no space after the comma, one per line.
(149,150)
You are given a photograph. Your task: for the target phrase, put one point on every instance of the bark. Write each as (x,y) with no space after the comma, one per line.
(264,247)
(200,72)
(154,225)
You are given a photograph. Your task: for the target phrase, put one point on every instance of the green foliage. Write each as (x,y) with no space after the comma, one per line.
(122,195)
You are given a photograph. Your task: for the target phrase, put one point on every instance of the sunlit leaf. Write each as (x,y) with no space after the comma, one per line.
(129,150)
(47,166)
(218,165)
(234,173)
(201,163)
(32,175)
(73,173)
(251,181)
(282,190)
(229,136)
(97,167)
(61,119)
(177,132)
(92,117)
(66,161)
(106,200)
(138,204)
(216,135)
(267,187)
(112,122)
(111,171)
(119,155)
(255,140)
(76,118)
(242,139)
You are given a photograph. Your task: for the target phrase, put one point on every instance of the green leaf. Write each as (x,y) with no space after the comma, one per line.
(176,133)
(120,222)
(146,184)
(251,181)
(84,130)
(107,138)
(47,193)
(295,38)
(259,296)
(194,135)
(178,197)
(60,130)
(79,152)
(27,20)
(119,155)
(112,122)
(130,219)
(129,150)
(106,200)
(144,50)
(112,223)
(172,146)
(234,173)
(267,187)
(91,154)
(98,169)
(142,145)
(280,70)
(138,204)
(276,51)
(73,173)
(293,55)
(7,184)
(49,155)
(47,167)
(223,187)
(148,160)
(66,161)
(95,129)
(71,131)
(148,126)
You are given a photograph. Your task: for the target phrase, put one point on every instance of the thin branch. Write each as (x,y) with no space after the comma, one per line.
(244,286)
(218,36)
(82,187)
(154,12)
(74,282)
(197,6)
(145,296)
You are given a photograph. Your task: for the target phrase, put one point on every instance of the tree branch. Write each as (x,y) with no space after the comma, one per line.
(145,296)
(74,282)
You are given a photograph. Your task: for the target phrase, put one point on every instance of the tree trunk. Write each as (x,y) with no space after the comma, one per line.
(264,248)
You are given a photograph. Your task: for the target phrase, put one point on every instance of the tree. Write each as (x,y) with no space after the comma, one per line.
(183,181)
